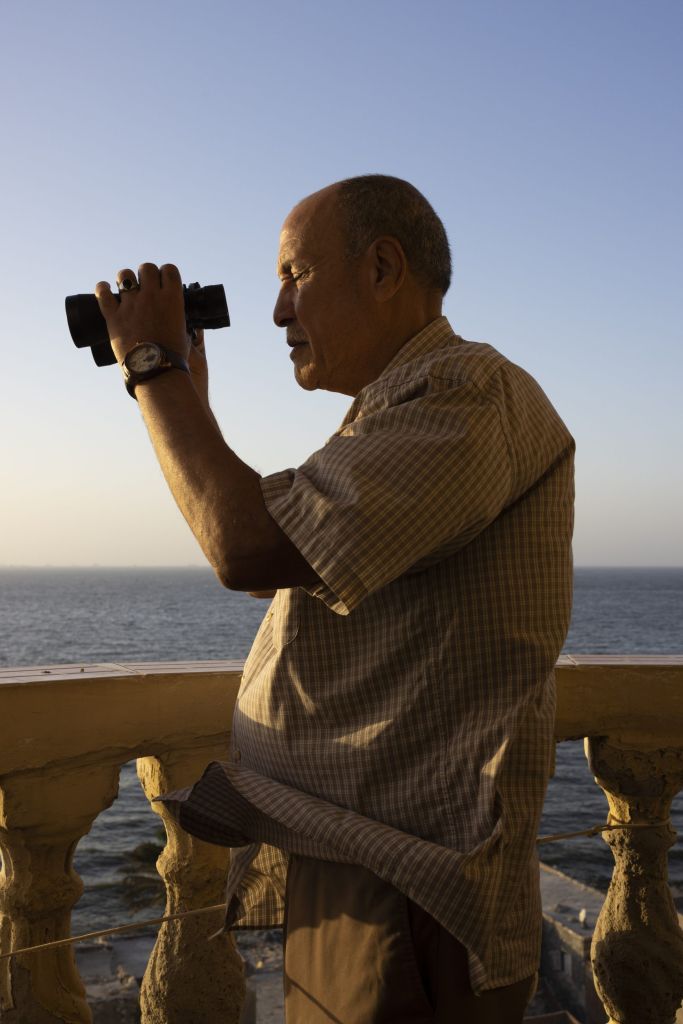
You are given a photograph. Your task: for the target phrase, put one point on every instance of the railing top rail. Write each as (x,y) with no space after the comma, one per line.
(27,674)
(100,713)
(116,711)
(570,660)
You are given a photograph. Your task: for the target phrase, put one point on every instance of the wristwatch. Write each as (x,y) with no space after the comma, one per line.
(147,360)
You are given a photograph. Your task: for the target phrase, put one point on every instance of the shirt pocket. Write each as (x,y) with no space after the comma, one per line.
(285,617)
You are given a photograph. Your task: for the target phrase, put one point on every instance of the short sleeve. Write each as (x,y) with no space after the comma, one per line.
(425,468)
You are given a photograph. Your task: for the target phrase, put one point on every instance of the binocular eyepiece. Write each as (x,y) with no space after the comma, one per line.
(204,307)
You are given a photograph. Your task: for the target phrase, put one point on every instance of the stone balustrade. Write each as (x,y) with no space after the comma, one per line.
(64,734)
(630,711)
(65,731)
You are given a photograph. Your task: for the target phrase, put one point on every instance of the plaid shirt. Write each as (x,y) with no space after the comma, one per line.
(399,714)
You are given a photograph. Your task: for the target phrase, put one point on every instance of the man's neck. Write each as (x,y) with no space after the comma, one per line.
(392,340)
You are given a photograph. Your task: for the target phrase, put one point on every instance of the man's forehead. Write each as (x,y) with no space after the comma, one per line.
(309,225)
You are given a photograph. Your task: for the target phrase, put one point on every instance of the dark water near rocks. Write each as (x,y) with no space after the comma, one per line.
(52,616)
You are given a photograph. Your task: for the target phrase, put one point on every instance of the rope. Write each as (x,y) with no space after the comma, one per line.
(593,831)
(112,931)
(597,829)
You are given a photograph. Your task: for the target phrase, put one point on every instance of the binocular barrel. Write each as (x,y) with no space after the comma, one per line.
(204,307)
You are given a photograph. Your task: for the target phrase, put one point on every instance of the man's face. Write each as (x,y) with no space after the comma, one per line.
(320,300)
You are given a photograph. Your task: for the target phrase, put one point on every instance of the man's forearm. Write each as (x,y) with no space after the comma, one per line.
(218,494)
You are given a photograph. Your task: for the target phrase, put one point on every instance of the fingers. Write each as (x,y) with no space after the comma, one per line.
(170,276)
(149,275)
(108,302)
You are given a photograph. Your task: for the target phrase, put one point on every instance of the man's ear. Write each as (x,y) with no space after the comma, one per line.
(389,267)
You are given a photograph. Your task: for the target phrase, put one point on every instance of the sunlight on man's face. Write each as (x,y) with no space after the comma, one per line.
(319,299)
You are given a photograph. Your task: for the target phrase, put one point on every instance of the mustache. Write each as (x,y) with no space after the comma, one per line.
(295,337)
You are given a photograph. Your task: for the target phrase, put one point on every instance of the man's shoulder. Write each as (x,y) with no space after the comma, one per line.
(472,372)
(457,362)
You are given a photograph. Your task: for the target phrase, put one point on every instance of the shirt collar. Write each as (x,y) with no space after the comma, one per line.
(436,334)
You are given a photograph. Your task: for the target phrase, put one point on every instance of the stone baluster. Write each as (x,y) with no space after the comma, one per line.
(189,979)
(43,814)
(637,950)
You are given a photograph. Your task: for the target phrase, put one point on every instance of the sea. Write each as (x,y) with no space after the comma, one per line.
(60,616)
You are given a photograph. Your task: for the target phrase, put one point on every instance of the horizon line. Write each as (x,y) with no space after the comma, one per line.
(194,565)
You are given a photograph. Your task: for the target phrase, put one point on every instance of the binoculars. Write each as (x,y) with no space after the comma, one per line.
(204,307)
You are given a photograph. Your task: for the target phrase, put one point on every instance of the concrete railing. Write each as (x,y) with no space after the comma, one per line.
(65,731)
(630,711)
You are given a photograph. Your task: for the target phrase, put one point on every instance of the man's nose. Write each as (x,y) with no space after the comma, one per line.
(283,313)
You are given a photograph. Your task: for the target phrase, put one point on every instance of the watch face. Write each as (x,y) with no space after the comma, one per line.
(143,357)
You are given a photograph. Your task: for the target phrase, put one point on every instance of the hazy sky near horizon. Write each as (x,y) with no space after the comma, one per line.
(546,133)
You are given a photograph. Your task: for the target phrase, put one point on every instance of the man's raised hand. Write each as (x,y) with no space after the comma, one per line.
(149,307)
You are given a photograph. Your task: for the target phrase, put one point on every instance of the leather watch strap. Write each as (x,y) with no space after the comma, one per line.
(171,360)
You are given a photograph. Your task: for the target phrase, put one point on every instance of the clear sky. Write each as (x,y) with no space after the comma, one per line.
(546,133)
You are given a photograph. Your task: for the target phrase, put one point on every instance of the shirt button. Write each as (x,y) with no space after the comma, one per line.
(236,755)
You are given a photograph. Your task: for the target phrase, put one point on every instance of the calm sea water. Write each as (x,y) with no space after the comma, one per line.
(52,616)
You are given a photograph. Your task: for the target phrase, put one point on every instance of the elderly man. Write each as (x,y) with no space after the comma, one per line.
(393,733)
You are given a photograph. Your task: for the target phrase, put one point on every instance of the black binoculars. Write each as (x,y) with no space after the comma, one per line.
(204,307)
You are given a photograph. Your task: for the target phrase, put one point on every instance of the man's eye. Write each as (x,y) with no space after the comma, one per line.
(294,276)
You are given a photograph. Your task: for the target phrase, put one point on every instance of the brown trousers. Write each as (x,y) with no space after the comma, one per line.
(357,951)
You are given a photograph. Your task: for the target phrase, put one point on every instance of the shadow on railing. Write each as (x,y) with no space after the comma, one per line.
(65,731)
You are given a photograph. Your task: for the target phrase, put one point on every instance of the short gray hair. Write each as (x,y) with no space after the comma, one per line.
(373,205)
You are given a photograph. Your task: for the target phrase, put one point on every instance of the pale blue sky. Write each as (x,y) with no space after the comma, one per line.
(546,133)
